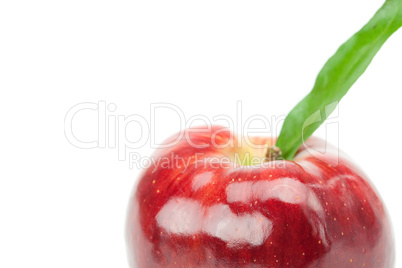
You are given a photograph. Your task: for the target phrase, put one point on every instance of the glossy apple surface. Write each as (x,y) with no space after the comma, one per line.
(198,208)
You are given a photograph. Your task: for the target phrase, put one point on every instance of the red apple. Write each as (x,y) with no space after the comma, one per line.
(319,210)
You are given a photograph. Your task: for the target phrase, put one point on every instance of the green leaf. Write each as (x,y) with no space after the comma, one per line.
(337,76)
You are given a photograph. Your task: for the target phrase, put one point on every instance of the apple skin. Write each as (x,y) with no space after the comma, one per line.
(318,210)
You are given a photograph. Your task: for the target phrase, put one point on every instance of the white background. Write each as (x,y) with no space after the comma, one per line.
(61,206)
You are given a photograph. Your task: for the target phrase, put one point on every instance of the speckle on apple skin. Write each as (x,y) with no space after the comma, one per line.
(316,211)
